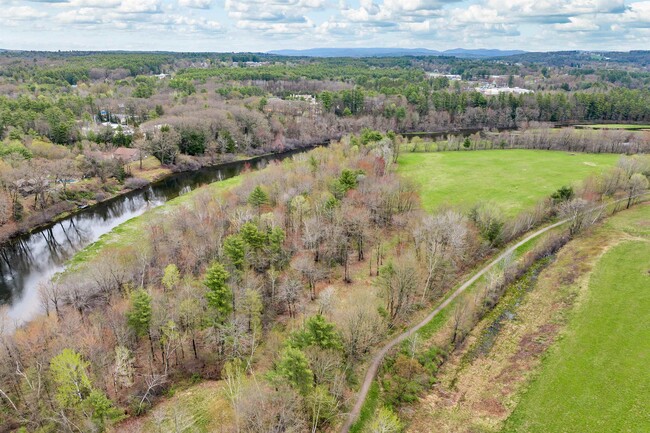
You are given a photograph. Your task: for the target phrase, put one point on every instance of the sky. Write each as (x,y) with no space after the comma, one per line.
(256,25)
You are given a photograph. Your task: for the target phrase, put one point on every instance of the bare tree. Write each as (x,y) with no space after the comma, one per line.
(310,272)
(398,282)
(153,382)
(51,294)
(636,185)
(581,214)
(361,326)
(439,238)
(290,292)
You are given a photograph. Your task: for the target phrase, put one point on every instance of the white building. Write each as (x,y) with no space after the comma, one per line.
(494,91)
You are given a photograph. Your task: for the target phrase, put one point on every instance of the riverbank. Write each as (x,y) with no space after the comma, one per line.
(149,176)
(43,219)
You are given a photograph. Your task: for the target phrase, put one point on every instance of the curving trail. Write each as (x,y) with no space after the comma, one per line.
(378,358)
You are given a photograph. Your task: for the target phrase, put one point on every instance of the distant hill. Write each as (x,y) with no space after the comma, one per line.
(481,52)
(394,52)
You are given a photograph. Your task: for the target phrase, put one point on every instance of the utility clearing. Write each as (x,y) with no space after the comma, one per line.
(596,379)
(565,349)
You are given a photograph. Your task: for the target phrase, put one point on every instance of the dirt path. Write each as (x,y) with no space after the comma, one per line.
(376,361)
(378,358)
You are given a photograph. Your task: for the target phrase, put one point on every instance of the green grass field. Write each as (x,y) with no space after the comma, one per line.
(617,126)
(596,377)
(514,179)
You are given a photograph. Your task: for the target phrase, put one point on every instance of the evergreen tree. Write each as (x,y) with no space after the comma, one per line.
(317,332)
(253,238)
(258,198)
(235,250)
(219,295)
(139,316)
(294,367)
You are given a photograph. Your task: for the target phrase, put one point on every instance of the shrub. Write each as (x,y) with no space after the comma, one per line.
(136,183)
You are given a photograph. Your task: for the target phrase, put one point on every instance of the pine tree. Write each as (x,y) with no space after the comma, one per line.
(219,295)
(318,332)
(139,316)
(294,367)
(258,198)
(235,249)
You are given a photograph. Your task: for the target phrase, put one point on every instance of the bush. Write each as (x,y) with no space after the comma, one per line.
(136,183)
(406,379)
(565,193)
(77,195)
(186,163)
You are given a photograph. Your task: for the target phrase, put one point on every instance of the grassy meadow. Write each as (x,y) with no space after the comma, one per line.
(595,378)
(514,179)
(624,126)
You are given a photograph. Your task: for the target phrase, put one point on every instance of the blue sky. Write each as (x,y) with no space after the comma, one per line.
(256,25)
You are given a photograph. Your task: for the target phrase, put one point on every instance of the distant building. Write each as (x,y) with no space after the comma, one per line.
(306,97)
(123,119)
(451,77)
(494,91)
(255,64)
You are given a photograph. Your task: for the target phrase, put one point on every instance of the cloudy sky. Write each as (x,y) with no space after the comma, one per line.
(257,25)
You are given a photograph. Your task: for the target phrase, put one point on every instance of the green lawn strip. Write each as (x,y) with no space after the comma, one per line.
(616,126)
(128,232)
(514,179)
(595,378)
(368,410)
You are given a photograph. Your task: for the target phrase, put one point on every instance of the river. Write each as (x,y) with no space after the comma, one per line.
(32,259)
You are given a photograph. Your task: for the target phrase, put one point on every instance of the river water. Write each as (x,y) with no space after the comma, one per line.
(32,259)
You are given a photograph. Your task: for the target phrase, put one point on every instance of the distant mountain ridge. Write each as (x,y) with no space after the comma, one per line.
(395,52)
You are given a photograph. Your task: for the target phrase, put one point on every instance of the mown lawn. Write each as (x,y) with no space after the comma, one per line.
(617,126)
(513,179)
(596,377)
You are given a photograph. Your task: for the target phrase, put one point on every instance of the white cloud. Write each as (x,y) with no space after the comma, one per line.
(95,3)
(259,24)
(196,4)
(277,18)
(21,13)
(577,24)
(637,15)
(140,6)
(554,10)
(80,16)
(185,24)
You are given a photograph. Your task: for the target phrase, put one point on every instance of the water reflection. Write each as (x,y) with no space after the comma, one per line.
(33,259)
